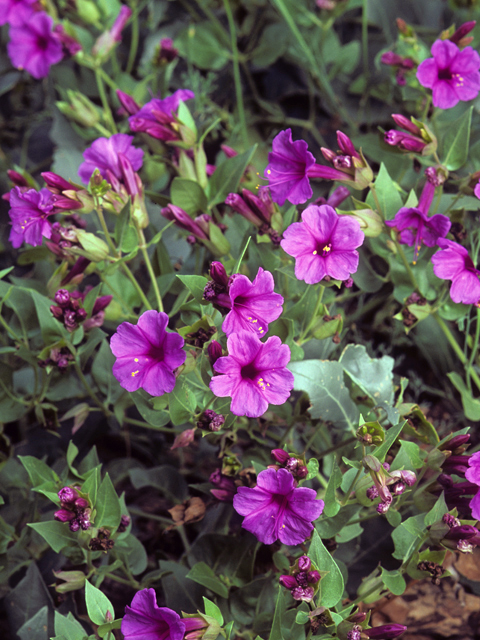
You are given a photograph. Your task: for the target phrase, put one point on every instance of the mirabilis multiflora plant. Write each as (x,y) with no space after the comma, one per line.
(189,312)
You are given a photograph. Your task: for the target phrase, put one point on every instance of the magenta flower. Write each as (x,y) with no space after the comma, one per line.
(145,620)
(29,212)
(157,116)
(416,227)
(254,374)
(278,510)
(147,354)
(254,304)
(323,244)
(15,12)
(104,155)
(33,46)
(473,475)
(453,263)
(453,75)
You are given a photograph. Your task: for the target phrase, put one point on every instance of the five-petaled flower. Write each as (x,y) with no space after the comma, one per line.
(33,45)
(105,155)
(147,354)
(254,374)
(253,304)
(145,620)
(453,263)
(323,244)
(29,215)
(278,510)
(453,75)
(416,227)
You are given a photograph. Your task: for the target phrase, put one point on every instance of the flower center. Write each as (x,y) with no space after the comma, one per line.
(324,250)
(250,372)
(42,43)
(444,74)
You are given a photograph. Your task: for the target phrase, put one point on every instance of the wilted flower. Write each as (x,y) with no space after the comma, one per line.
(147,354)
(33,46)
(254,374)
(323,244)
(104,154)
(158,117)
(416,227)
(453,263)
(453,75)
(277,510)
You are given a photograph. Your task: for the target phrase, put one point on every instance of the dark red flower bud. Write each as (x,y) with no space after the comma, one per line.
(128,103)
(62,297)
(218,274)
(313,577)
(304,563)
(81,503)
(301,472)
(386,631)
(17,178)
(214,351)
(289,582)
(67,495)
(456,441)
(74,525)
(462,31)
(63,515)
(291,464)
(463,532)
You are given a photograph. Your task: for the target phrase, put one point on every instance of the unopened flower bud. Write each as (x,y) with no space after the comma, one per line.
(280,456)
(386,631)
(124,523)
(291,464)
(289,582)
(63,515)
(304,594)
(355,633)
(218,274)
(372,493)
(313,577)
(81,503)
(214,351)
(455,442)
(67,495)
(62,297)
(74,525)
(304,563)
(301,472)
(462,31)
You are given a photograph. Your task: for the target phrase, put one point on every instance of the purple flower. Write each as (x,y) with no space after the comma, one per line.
(453,75)
(157,116)
(323,244)
(453,263)
(277,510)
(15,12)
(416,227)
(145,620)
(29,212)
(146,354)
(254,374)
(103,155)
(473,476)
(33,46)
(254,304)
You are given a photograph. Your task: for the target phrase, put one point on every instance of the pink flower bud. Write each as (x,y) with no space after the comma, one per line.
(63,515)
(214,351)
(462,31)
(386,631)
(280,456)
(128,103)
(289,582)
(67,494)
(183,439)
(304,563)
(313,577)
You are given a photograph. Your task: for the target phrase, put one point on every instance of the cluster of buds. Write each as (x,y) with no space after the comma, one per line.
(386,483)
(258,210)
(198,228)
(216,290)
(303,580)
(416,138)
(460,36)
(68,310)
(101,542)
(349,165)
(435,570)
(456,493)
(58,358)
(200,337)
(124,524)
(68,196)
(371,433)
(383,632)
(64,236)
(459,537)
(211,420)
(401,63)
(225,487)
(74,509)
(291,463)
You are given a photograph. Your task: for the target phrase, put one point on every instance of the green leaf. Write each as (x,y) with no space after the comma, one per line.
(212,610)
(313,467)
(164,478)
(329,397)
(188,195)
(407,535)
(204,47)
(91,484)
(69,627)
(331,585)
(72,453)
(107,505)
(394,581)
(182,403)
(133,553)
(332,507)
(98,605)
(387,194)
(201,573)
(276,632)
(149,414)
(437,512)
(6,535)
(105,629)
(471,405)
(51,329)
(391,436)
(456,141)
(226,177)
(374,376)
(37,627)
(196,285)
(38,471)
(57,534)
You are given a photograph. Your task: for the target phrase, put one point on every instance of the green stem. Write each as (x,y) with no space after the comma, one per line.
(145,425)
(143,249)
(236,72)
(408,268)
(106,106)
(90,391)
(473,353)
(133,44)
(458,351)
(150,516)
(130,583)
(350,488)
